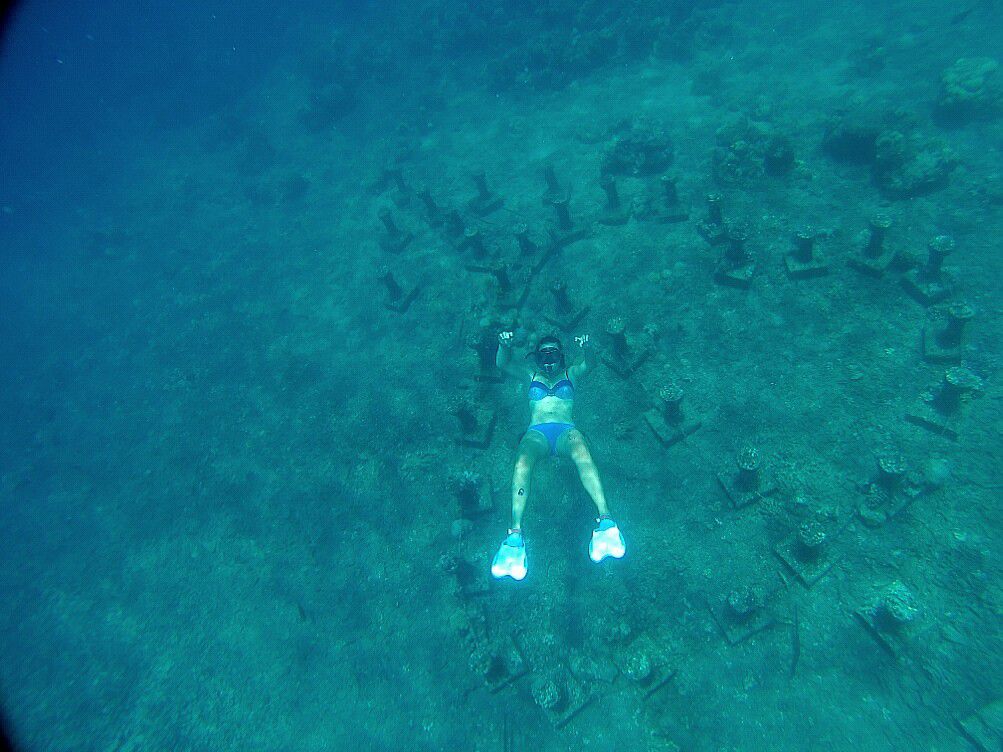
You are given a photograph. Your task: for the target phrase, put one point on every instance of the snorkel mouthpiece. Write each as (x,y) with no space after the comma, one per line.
(549,357)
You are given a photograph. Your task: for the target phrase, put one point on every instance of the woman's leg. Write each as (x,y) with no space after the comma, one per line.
(572,444)
(531,448)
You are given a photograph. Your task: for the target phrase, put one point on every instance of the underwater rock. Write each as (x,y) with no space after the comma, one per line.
(639,152)
(747,150)
(970,89)
(910,166)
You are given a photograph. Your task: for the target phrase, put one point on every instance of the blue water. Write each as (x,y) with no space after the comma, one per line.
(257,452)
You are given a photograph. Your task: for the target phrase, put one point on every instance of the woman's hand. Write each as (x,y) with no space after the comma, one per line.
(505,339)
(583,342)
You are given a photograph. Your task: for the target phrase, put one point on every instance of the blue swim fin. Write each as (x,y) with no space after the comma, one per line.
(510,561)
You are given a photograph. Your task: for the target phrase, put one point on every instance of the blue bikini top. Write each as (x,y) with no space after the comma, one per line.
(563,389)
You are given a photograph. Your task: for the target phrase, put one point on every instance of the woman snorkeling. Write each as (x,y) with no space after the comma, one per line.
(551,432)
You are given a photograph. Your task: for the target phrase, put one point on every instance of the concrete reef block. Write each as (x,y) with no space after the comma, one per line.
(556,190)
(639,664)
(807,551)
(402,194)
(889,491)
(499,664)
(804,262)
(485,202)
(474,494)
(477,425)
(565,233)
(621,356)
(526,245)
(891,618)
(394,239)
(712,227)
(871,254)
(747,151)
(742,612)
(398,300)
(946,343)
(468,579)
(513,282)
(561,697)
(669,422)
(563,212)
(665,206)
(456,227)
(749,481)
(615,212)
(941,409)
(485,345)
(736,267)
(929,284)
(473,241)
(434,214)
(567,315)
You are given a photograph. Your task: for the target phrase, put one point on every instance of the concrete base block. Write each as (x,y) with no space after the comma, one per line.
(798,269)
(669,433)
(743,497)
(479,435)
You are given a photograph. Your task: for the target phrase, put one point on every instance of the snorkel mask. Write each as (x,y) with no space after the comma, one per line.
(549,356)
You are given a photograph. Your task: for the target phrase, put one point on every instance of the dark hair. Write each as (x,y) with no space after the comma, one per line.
(550,339)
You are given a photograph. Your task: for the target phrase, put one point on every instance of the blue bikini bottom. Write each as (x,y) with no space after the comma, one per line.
(552,432)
